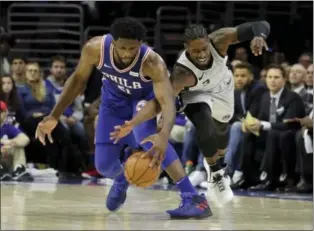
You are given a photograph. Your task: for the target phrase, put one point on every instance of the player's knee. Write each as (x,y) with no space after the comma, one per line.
(102,166)
(206,140)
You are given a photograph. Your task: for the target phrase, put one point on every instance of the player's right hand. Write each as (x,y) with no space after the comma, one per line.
(157,151)
(121,131)
(44,128)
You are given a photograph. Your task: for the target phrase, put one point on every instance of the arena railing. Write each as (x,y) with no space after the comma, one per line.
(170,24)
(46,29)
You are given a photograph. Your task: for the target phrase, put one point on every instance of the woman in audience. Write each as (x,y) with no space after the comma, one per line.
(9,95)
(38,101)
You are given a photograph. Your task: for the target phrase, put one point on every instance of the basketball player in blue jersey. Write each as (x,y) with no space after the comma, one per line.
(132,75)
(205,85)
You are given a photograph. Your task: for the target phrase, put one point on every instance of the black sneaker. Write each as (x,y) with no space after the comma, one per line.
(4,174)
(20,174)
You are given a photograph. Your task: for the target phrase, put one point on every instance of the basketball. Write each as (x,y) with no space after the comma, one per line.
(138,172)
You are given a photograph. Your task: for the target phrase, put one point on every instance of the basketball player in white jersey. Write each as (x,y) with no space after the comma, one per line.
(205,86)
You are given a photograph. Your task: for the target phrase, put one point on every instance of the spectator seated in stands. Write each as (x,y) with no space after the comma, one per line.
(18,64)
(297,78)
(247,99)
(309,86)
(90,120)
(9,94)
(240,54)
(268,142)
(72,117)
(12,143)
(306,59)
(304,166)
(6,43)
(38,101)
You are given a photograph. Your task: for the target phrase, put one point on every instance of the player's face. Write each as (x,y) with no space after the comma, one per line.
(199,52)
(126,50)
(274,80)
(241,77)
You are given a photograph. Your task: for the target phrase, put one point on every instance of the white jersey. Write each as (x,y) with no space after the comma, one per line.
(214,86)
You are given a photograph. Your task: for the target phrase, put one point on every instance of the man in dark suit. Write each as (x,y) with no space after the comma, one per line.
(270,147)
(247,97)
(304,141)
(297,78)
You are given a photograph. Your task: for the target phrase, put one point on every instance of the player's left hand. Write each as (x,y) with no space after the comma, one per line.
(257,45)
(160,143)
(121,131)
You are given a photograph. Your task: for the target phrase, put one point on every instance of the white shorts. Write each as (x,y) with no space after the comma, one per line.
(221,104)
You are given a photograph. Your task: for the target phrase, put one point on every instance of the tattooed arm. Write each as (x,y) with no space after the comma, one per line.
(255,31)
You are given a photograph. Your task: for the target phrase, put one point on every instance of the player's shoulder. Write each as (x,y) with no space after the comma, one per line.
(93,44)
(182,67)
(153,59)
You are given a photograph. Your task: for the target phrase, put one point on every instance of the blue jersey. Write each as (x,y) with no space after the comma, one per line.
(123,85)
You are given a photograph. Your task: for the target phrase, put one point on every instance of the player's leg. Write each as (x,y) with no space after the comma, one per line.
(194,205)
(107,158)
(212,137)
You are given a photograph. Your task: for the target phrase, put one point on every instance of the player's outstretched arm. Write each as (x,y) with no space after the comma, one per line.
(77,81)
(180,78)
(255,31)
(73,87)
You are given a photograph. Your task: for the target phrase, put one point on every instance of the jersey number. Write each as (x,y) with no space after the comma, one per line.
(124,89)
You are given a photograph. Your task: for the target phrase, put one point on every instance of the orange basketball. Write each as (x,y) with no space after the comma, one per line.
(138,172)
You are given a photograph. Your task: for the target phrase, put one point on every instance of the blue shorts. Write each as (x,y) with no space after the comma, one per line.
(113,112)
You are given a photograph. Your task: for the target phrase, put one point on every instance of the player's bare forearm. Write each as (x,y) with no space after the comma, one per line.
(73,87)
(77,81)
(165,97)
(155,68)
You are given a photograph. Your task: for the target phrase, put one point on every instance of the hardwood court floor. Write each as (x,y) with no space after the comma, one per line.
(47,206)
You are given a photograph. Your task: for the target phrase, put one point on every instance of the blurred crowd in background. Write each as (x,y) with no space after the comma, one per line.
(279,159)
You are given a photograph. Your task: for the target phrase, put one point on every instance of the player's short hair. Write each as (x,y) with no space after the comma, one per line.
(278,67)
(128,28)
(244,65)
(195,31)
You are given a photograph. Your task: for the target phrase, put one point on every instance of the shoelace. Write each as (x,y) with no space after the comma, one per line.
(218,181)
